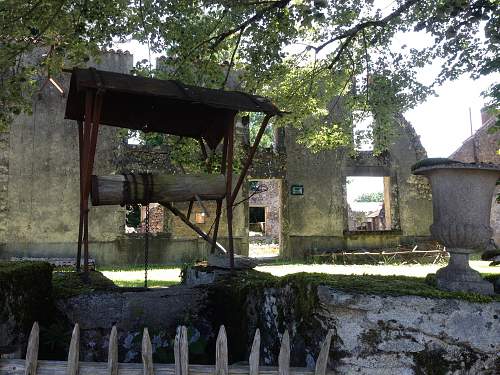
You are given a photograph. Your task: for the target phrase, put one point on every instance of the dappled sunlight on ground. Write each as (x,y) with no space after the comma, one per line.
(171,274)
(262,250)
(418,270)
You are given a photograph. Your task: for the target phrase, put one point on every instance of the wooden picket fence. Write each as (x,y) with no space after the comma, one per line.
(31,365)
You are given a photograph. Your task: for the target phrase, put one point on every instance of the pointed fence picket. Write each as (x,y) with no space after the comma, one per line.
(32,366)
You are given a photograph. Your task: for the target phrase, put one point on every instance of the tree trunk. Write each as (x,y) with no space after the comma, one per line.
(153,188)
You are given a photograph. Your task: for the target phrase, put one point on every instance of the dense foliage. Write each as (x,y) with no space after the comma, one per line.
(371,197)
(300,53)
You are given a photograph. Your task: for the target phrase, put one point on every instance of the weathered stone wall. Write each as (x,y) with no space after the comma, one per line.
(483,146)
(160,310)
(43,175)
(385,335)
(318,219)
(372,334)
(39,188)
(4,183)
(271,200)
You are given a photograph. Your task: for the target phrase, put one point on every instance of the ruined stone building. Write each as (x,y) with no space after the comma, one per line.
(39,188)
(314,209)
(484,146)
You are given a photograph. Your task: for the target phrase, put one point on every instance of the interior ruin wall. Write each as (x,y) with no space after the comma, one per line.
(39,189)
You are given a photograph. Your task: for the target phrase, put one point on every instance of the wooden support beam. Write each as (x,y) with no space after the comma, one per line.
(193,226)
(218,212)
(190,208)
(250,157)
(229,189)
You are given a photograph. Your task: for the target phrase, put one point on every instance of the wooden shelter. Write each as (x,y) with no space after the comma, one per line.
(165,106)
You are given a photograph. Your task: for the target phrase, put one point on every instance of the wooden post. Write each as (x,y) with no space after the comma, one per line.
(32,351)
(147,354)
(83,145)
(322,360)
(221,358)
(218,212)
(80,225)
(113,353)
(284,356)
(181,352)
(229,190)
(253,360)
(74,352)
(88,167)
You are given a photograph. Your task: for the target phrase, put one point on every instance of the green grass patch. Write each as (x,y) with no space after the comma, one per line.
(138,267)
(140,283)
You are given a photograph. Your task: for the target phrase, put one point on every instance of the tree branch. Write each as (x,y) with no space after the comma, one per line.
(218,39)
(351,33)
(231,62)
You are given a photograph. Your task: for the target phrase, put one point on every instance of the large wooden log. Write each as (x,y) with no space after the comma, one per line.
(153,188)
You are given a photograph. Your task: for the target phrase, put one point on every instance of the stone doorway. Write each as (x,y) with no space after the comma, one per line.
(264,218)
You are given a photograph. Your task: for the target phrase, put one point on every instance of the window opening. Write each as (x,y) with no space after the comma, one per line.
(362,131)
(368,203)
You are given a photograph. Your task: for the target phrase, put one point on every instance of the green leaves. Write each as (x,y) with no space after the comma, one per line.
(302,54)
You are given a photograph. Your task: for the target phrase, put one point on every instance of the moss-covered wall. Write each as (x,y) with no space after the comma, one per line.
(25,297)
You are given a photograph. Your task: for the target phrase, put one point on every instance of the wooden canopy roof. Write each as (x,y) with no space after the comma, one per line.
(163,106)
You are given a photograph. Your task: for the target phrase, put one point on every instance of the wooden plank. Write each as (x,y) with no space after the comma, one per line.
(147,354)
(322,360)
(74,352)
(32,351)
(284,356)
(181,352)
(16,367)
(221,357)
(254,358)
(113,352)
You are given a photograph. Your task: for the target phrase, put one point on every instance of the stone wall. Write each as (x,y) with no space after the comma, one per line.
(271,200)
(4,183)
(318,220)
(43,175)
(39,188)
(372,333)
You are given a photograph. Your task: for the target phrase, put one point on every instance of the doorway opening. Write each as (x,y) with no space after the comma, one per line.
(264,215)
(368,203)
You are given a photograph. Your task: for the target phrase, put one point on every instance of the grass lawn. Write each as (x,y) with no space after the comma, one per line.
(162,276)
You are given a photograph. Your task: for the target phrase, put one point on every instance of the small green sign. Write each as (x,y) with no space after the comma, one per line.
(297,190)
